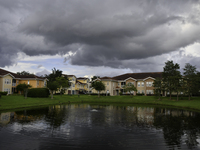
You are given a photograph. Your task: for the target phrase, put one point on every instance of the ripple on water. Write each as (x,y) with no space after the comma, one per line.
(114,127)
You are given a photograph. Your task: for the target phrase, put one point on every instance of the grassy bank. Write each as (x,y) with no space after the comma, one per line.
(18,101)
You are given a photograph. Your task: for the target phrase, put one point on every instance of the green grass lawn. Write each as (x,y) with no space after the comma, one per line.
(18,101)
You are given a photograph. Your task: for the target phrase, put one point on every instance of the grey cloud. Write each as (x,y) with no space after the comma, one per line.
(111,33)
(39,66)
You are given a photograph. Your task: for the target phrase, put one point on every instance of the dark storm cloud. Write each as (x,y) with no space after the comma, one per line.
(110,33)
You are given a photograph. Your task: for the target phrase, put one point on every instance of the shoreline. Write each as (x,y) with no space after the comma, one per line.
(12,102)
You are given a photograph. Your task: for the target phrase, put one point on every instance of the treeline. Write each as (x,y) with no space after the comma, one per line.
(173,82)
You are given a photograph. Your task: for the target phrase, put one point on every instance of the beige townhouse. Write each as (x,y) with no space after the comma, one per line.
(9,81)
(142,81)
(84,84)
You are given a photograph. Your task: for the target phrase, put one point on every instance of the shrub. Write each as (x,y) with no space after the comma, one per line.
(150,94)
(3,93)
(140,94)
(38,92)
(101,94)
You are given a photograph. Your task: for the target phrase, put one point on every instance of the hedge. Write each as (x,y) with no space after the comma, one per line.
(140,94)
(101,94)
(38,92)
(3,93)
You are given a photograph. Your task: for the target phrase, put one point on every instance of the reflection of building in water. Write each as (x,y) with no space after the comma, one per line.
(145,115)
(176,113)
(5,117)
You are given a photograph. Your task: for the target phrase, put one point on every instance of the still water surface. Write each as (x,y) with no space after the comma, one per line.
(85,126)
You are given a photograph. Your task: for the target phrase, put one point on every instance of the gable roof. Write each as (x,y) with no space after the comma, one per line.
(14,75)
(81,78)
(109,78)
(138,75)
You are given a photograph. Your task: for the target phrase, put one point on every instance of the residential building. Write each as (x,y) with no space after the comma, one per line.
(142,81)
(9,81)
(78,85)
(85,84)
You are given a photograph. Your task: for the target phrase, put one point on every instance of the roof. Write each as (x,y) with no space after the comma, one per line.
(5,72)
(138,75)
(69,75)
(80,82)
(82,78)
(107,78)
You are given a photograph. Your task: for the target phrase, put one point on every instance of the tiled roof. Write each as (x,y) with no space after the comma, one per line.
(69,75)
(81,78)
(106,78)
(4,72)
(138,75)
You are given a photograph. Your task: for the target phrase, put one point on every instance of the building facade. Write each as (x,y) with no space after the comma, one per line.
(77,85)
(9,81)
(142,81)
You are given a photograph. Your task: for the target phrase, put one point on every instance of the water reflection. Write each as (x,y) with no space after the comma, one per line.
(91,126)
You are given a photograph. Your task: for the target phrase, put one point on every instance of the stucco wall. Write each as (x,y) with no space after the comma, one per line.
(141,88)
(7,86)
(1,84)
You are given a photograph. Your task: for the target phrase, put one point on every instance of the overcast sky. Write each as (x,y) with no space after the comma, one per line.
(98,37)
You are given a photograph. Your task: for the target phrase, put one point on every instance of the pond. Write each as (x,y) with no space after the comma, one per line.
(89,126)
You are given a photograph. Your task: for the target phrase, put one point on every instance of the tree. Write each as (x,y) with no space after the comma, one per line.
(158,87)
(170,74)
(52,86)
(177,83)
(191,78)
(23,88)
(98,86)
(55,74)
(95,77)
(130,88)
(24,73)
(63,83)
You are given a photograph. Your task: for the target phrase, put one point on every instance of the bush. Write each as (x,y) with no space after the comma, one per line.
(150,94)
(38,92)
(140,94)
(3,93)
(101,94)
(180,95)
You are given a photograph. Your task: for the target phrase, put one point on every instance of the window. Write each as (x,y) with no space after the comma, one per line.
(73,85)
(149,84)
(139,91)
(118,84)
(138,84)
(37,83)
(7,81)
(142,91)
(142,83)
(107,83)
(149,91)
(45,83)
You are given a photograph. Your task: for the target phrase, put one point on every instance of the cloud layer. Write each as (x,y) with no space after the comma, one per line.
(113,33)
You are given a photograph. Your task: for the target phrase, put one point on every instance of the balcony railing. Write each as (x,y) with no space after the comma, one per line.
(13,84)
